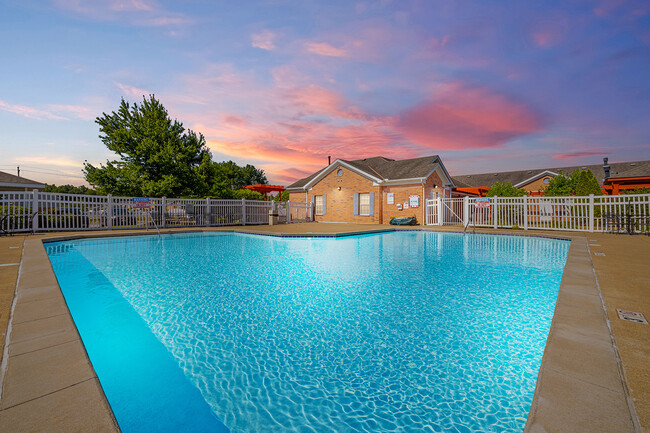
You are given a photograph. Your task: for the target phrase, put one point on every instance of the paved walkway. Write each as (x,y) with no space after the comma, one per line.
(48,382)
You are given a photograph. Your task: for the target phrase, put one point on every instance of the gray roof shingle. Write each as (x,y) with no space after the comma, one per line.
(11,178)
(617,170)
(384,168)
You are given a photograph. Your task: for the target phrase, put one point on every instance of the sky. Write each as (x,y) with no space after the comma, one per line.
(487,85)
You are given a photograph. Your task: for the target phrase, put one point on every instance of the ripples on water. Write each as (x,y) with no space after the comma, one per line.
(400,332)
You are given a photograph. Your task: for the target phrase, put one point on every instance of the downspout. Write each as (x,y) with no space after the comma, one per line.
(423,203)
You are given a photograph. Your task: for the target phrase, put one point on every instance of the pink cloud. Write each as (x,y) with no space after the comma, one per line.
(146,13)
(572,155)
(548,32)
(264,40)
(234,120)
(79,111)
(607,7)
(298,124)
(131,5)
(132,92)
(463,117)
(324,49)
(29,112)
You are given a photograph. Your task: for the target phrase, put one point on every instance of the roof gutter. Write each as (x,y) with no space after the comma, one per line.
(21,185)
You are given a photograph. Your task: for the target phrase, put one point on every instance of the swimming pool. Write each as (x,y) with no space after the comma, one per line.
(402,331)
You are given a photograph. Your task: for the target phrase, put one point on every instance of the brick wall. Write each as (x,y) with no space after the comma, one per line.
(537,185)
(300,197)
(340,203)
(401,195)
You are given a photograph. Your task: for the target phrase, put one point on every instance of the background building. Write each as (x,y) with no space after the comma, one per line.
(10,182)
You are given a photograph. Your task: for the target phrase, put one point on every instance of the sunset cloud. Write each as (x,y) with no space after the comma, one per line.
(264,40)
(132,92)
(29,112)
(573,155)
(55,161)
(461,117)
(79,111)
(324,49)
(145,13)
(546,33)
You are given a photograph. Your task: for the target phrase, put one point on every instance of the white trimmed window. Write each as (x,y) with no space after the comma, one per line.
(364,204)
(318,201)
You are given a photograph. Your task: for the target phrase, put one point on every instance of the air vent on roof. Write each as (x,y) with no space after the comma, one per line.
(632,163)
(529,172)
(496,174)
(469,175)
(583,168)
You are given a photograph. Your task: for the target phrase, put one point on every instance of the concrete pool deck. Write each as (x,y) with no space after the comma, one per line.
(594,374)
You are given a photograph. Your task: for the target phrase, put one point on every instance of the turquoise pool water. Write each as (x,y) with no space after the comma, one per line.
(399,332)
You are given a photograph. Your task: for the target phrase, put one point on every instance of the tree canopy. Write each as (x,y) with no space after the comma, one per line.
(578,182)
(505,189)
(159,157)
(70,189)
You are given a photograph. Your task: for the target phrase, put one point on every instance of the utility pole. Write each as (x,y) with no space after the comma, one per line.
(18,168)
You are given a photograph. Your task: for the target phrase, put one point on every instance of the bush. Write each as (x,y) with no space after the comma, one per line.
(505,189)
(636,190)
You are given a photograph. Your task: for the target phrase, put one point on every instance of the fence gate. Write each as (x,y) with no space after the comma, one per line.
(452,211)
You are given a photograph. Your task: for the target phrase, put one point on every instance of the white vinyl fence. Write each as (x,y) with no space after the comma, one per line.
(42,211)
(615,213)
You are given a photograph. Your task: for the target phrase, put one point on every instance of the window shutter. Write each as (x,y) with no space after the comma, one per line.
(372,204)
(356,203)
(324,204)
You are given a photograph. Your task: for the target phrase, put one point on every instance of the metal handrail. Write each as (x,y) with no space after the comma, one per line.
(2,220)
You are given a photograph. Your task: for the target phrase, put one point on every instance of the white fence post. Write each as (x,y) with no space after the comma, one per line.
(525,212)
(440,217)
(288,211)
(465,211)
(591,212)
(208,212)
(164,212)
(495,209)
(243,210)
(34,210)
(109,213)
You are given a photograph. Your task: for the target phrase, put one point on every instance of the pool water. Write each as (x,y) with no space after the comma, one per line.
(400,332)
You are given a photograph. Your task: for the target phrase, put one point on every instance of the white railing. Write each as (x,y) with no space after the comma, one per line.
(617,213)
(42,211)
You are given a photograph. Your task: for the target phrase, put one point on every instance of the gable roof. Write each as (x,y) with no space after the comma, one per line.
(380,169)
(10,180)
(617,170)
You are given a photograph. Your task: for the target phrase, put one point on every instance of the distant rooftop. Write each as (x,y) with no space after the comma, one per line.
(13,181)
(617,170)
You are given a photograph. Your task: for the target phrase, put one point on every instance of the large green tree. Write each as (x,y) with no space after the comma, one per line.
(158,156)
(228,177)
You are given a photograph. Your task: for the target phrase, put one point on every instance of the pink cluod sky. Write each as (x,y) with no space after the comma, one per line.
(489,87)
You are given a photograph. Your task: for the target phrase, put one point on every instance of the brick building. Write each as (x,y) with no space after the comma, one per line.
(373,190)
